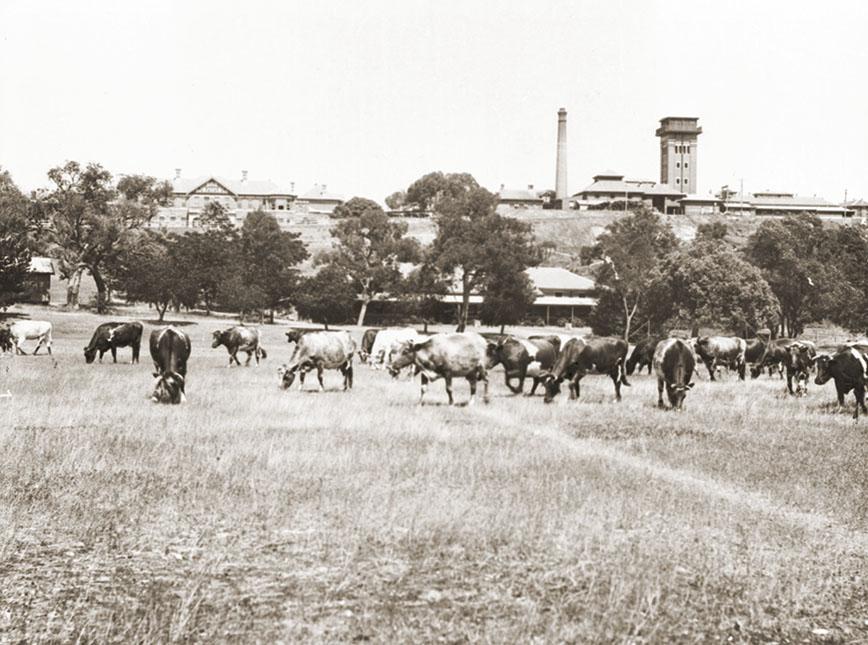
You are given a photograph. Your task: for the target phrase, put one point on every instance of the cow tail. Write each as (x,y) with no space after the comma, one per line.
(623,371)
(262,352)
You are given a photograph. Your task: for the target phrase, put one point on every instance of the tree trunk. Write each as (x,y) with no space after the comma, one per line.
(628,318)
(424,326)
(101,290)
(465,308)
(362,311)
(161,311)
(73,287)
(325,325)
(501,329)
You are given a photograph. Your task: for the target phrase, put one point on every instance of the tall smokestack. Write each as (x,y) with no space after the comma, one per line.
(561,176)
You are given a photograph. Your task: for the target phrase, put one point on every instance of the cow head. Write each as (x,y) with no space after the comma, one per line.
(89,354)
(493,353)
(824,363)
(5,339)
(756,370)
(286,375)
(677,394)
(552,386)
(402,356)
(169,388)
(294,335)
(218,338)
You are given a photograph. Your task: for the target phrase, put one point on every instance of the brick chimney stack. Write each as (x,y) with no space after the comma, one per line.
(177,173)
(243,175)
(561,174)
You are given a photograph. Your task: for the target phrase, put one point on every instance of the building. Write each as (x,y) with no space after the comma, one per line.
(518,197)
(778,203)
(611,187)
(678,152)
(859,207)
(561,190)
(38,283)
(238,197)
(701,205)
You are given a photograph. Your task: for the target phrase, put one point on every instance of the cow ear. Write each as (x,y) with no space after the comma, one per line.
(689,385)
(156,375)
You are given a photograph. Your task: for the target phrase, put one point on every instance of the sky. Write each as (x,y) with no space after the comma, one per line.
(366,97)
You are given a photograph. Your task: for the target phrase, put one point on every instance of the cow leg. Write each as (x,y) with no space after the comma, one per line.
(114,351)
(448,380)
(536,382)
(859,393)
(135,358)
(471,378)
(319,371)
(19,347)
(301,374)
(38,346)
(575,390)
(742,368)
(348,377)
(424,387)
(660,394)
(616,379)
(790,380)
(709,365)
(483,376)
(841,394)
(101,354)
(249,356)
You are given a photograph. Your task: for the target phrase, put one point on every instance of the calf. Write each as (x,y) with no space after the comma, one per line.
(674,364)
(722,350)
(849,368)
(642,356)
(38,330)
(170,349)
(521,358)
(239,339)
(5,340)
(593,356)
(107,337)
(800,358)
(367,344)
(446,356)
(319,350)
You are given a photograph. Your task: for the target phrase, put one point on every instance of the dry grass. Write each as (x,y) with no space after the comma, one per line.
(256,514)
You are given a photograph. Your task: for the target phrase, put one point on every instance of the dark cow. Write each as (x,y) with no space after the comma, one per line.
(849,368)
(753,356)
(239,339)
(722,350)
(643,355)
(368,339)
(775,356)
(5,340)
(446,356)
(800,358)
(592,356)
(111,335)
(521,358)
(319,350)
(674,364)
(170,349)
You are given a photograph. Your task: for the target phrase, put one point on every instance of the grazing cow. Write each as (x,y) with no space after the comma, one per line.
(107,337)
(446,356)
(552,339)
(592,356)
(170,349)
(5,340)
(849,368)
(38,330)
(674,364)
(722,350)
(239,339)
(319,350)
(521,358)
(642,356)
(388,340)
(368,339)
(800,358)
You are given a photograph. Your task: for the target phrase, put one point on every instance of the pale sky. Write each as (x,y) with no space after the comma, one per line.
(368,96)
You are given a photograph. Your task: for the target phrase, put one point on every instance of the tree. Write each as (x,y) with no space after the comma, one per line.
(631,249)
(88,219)
(798,260)
(214,216)
(711,232)
(424,289)
(369,247)
(711,284)
(396,200)
(473,240)
(267,260)
(326,297)
(850,298)
(507,296)
(356,207)
(15,240)
(425,193)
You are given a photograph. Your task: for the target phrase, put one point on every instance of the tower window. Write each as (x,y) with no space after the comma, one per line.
(685,164)
(678,164)
(685,181)
(677,180)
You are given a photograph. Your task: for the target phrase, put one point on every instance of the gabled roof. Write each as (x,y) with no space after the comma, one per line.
(319,193)
(518,194)
(856,202)
(185,186)
(41,265)
(558,279)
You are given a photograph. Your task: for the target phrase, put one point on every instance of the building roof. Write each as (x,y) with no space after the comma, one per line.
(566,301)
(319,193)
(610,187)
(856,202)
(41,265)
(663,190)
(558,279)
(701,199)
(518,195)
(184,185)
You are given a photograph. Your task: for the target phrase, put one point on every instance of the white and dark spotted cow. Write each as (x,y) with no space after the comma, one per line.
(446,356)
(848,366)
(674,363)
(319,350)
(24,330)
(239,339)
(388,340)
(521,357)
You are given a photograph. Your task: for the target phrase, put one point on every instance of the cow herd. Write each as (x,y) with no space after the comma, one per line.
(548,360)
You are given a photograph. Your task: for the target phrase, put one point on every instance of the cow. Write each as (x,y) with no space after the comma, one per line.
(722,350)
(592,356)
(849,368)
(674,363)
(319,350)
(446,356)
(799,360)
(107,337)
(521,358)
(367,344)
(774,357)
(22,330)
(642,355)
(170,349)
(5,340)
(239,339)
(388,340)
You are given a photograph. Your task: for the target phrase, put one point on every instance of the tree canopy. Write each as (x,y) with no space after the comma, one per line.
(326,297)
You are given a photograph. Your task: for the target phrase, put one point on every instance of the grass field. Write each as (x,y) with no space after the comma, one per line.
(260,515)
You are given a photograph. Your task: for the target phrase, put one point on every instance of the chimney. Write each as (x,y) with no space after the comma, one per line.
(322,189)
(177,173)
(561,173)
(530,187)
(292,187)
(502,187)
(243,175)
